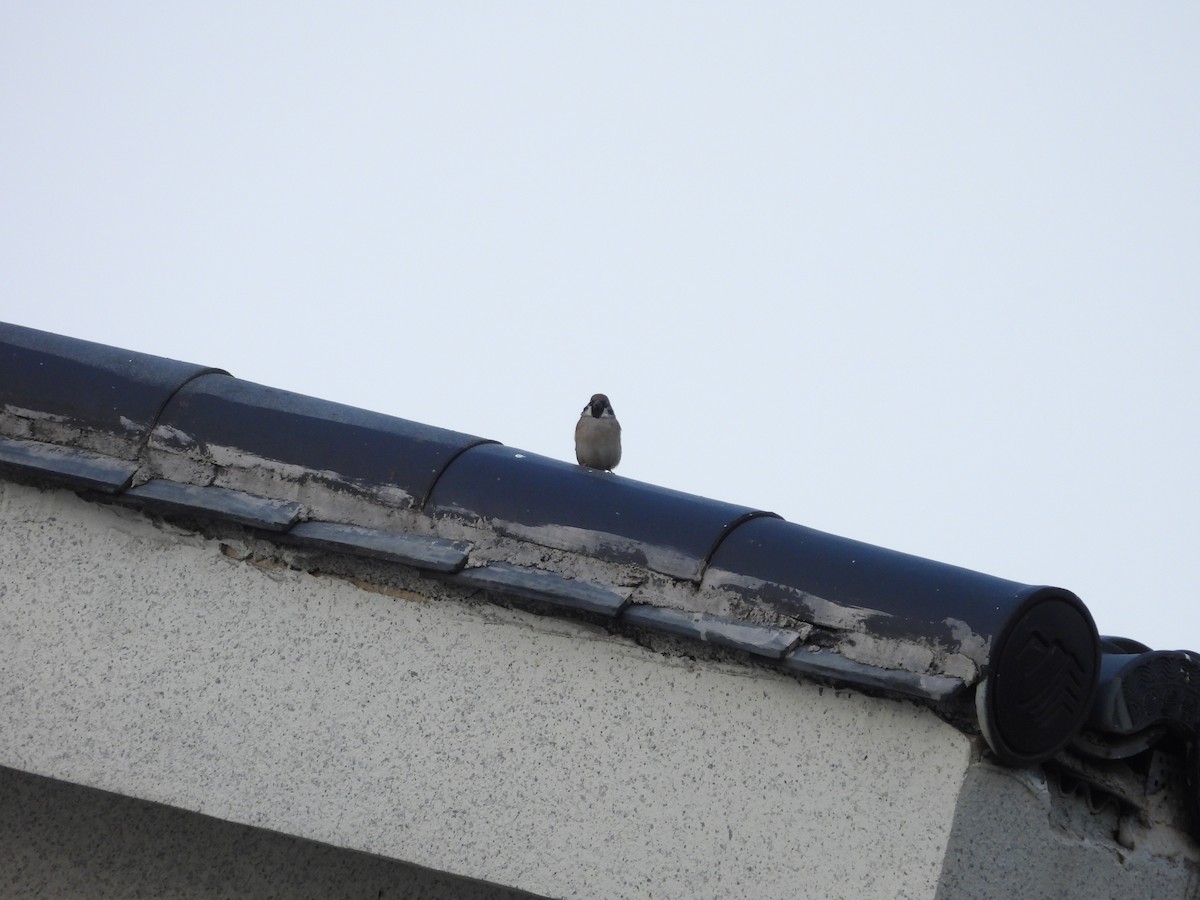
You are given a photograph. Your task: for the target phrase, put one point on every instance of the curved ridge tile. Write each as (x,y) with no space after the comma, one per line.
(91,395)
(569,507)
(1037,646)
(239,424)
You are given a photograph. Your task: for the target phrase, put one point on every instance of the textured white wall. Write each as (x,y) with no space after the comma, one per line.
(527,751)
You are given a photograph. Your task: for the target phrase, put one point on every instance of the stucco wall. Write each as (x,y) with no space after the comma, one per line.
(427,727)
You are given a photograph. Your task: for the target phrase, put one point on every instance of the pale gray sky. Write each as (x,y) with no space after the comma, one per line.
(921,274)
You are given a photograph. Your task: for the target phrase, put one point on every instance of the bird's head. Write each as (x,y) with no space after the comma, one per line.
(598,406)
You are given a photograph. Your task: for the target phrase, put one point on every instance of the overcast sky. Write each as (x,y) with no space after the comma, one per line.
(925,275)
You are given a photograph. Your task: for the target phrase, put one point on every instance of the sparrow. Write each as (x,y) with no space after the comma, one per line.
(598,435)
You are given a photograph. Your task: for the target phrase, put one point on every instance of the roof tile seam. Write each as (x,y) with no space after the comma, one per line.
(726,532)
(145,439)
(420,505)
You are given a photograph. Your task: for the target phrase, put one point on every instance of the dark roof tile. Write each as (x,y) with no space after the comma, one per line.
(79,468)
(1038,645)
(420,551)
(761,640)
(563,505)
(826,664)
(368,450)
(548,587)
(217,502)
(108,394)
(1141,690)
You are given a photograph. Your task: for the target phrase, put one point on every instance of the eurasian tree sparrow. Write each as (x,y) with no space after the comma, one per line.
(598,435)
